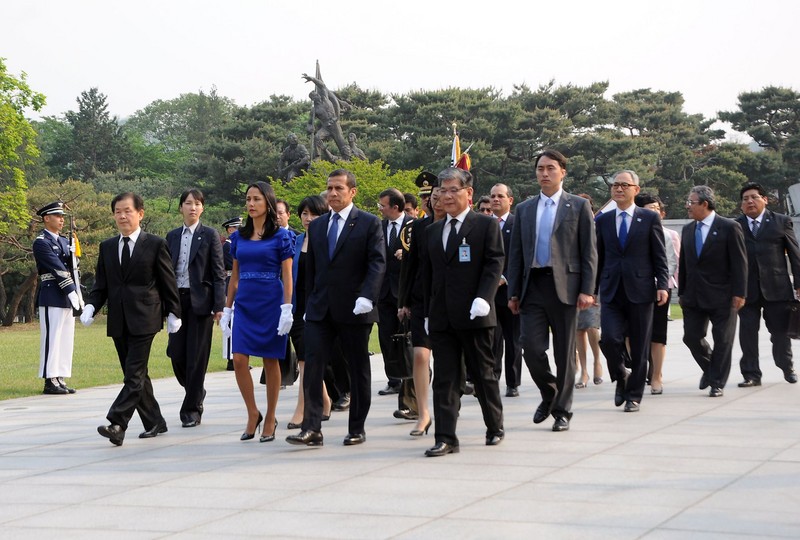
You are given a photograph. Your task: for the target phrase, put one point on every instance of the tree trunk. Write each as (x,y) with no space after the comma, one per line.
(3,298)
(13,306)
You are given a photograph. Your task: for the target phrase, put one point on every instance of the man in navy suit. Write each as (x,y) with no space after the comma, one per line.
(631,276)
(57,298)
(770,242)
(134,276)
(345,263)
(506,336)
(712,284)
(199,267)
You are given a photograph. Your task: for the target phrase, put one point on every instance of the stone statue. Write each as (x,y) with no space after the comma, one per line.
(356,152)
(327,107)
(294,158)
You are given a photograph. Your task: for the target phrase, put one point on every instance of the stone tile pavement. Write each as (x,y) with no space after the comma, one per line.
(685,466)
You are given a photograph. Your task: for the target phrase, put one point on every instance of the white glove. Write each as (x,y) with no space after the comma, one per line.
(286,320)
(225,322)
(173,324)
(426,326)
(73,248)
(87,317)
(74,300)
(363,305)
(480,308)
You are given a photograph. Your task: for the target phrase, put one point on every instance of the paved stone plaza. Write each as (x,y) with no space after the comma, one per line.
(686,466)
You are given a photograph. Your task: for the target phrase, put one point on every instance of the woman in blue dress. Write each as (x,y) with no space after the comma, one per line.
(261,291)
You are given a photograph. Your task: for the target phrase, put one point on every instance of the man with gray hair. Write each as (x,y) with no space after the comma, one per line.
(712,285)
(631,276)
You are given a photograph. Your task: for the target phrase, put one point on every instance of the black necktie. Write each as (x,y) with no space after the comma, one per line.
(452,241)
(392,234)
(126,254)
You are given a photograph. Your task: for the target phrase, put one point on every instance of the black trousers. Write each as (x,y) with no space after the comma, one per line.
(621,318)
(506,339)
(475,347)
(540,313)
(189,349)
(776,317)
(137,390)
(716,363)
(354,339)
(388,325)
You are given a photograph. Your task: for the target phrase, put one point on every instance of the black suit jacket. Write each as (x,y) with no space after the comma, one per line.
(501,297)
(356,269)
(141,297)
(206,268)
(766,258)
(720,273)
(391,279)
(410,291)
(452,285)
(641,266)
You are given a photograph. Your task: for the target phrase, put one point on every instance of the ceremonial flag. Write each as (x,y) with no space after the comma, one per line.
(458,159)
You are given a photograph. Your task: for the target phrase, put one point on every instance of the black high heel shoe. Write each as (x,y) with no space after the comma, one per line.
(269,438)
(421,432)
(247,436)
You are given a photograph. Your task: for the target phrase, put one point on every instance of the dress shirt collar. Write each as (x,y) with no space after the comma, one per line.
(556,197)
(192,228)
(134,236)
(760,218)
(504,217)
(460,217)
(628,211)
(709,219)
(54,235)
(344,213)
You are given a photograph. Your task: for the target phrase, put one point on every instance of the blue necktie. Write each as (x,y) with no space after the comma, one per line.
(332,235)
(623,230)
(545,231)
(698,237)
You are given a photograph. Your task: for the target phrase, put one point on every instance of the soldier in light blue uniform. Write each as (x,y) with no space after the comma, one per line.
(57,298)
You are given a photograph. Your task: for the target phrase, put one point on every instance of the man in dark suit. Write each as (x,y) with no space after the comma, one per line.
(769,239)
(135,277)
(462,270)
(230,226)
(631,275)
(506,337)
(551,275)
(57,299)
(345,263)
(199,267)
(390,203)
(712,285)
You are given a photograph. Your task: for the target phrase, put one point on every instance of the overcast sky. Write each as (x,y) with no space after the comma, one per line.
(139,51)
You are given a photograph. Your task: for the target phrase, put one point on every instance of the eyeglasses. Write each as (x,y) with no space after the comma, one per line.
(621,185)
(690,202)
(450,191)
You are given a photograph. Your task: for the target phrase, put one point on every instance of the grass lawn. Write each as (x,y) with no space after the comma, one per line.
(94,362)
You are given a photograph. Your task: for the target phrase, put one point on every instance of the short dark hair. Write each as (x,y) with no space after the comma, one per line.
(484,199)
(138,202)
(314,203)
(271,223)
(588,198)
(195,193)
(284,203)
(395,197)
(351,178)
(454,173)
(704,194)
(752,185)
(555,155)
(643,199)
(411,199)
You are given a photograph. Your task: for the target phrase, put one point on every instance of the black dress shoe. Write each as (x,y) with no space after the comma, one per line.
(703,382)
(153,431)
(715,392)
(292,425)
(112,432)
(343,403)
(790,376)
(229,367)
(469,389)
(64,385)
(52,387)
(389,389)
(511,391)
(306,438)
(442,449)
(631,406)
(542,412)
(561,423)
(619,392)
(191,423)
(354,438)
(495,438)
(748,383)
(405,414)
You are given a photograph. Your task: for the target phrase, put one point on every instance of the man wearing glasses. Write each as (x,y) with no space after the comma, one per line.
(632,274)
(712,284)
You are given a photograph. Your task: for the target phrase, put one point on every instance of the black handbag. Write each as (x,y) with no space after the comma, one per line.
(794,320)
(400,361)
